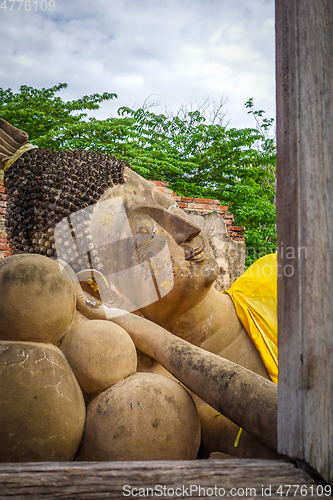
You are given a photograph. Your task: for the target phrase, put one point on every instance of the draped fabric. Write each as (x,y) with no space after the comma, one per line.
(254,295)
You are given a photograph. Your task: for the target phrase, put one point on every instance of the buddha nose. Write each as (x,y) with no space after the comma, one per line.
(180,228)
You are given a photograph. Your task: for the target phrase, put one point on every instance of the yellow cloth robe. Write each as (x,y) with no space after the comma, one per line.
(254,295)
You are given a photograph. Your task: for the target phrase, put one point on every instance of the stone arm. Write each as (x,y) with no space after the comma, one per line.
(241,395)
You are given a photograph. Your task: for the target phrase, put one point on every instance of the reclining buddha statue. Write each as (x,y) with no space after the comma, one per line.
(137,269)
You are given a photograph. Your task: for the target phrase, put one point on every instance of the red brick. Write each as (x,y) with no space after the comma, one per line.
(4,246)
(5,254)
(2,210)
(228,216)
(202,206)
(221,207)
(182,205)
(2,190)
(175,194)
(186,198)
(207,200)
(193,205)
(3,204)
(178,198)
(236,228)
(4,197)
(208,206)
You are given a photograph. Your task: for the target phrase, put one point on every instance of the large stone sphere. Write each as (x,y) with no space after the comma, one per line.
(42,410)
(143,417)
(100,354)
(37,302)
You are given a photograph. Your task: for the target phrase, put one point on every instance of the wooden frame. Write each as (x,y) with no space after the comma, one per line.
(304,63)
(101,480)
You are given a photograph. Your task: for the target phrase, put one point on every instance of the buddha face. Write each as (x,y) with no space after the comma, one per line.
(151,257)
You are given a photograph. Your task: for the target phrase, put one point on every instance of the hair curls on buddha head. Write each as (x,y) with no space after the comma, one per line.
(44,187)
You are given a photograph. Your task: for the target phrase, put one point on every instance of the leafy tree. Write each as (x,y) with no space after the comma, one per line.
(197,158)
(39,112)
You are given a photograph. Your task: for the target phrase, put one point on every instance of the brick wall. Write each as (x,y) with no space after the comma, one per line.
(201,205)
(4,247)
(204,205)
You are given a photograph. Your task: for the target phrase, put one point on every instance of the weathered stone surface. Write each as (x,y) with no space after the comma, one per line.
(100,354)
(230,255)
(37,302)
(144,417)
(42,410)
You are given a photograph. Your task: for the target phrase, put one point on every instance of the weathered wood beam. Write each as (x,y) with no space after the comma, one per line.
(98,480)
(304,65)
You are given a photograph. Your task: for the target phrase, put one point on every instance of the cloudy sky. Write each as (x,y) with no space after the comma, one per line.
(179,52)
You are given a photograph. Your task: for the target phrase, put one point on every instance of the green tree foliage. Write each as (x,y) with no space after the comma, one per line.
(197,158)
(40,113)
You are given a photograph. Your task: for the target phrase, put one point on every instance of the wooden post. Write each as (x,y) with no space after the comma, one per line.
(304,46)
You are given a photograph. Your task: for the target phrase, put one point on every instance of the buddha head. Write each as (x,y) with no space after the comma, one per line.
(118,232)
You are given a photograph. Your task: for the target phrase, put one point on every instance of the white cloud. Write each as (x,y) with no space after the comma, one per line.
(181,50)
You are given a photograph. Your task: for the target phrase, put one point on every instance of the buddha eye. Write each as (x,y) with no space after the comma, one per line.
(173,207)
